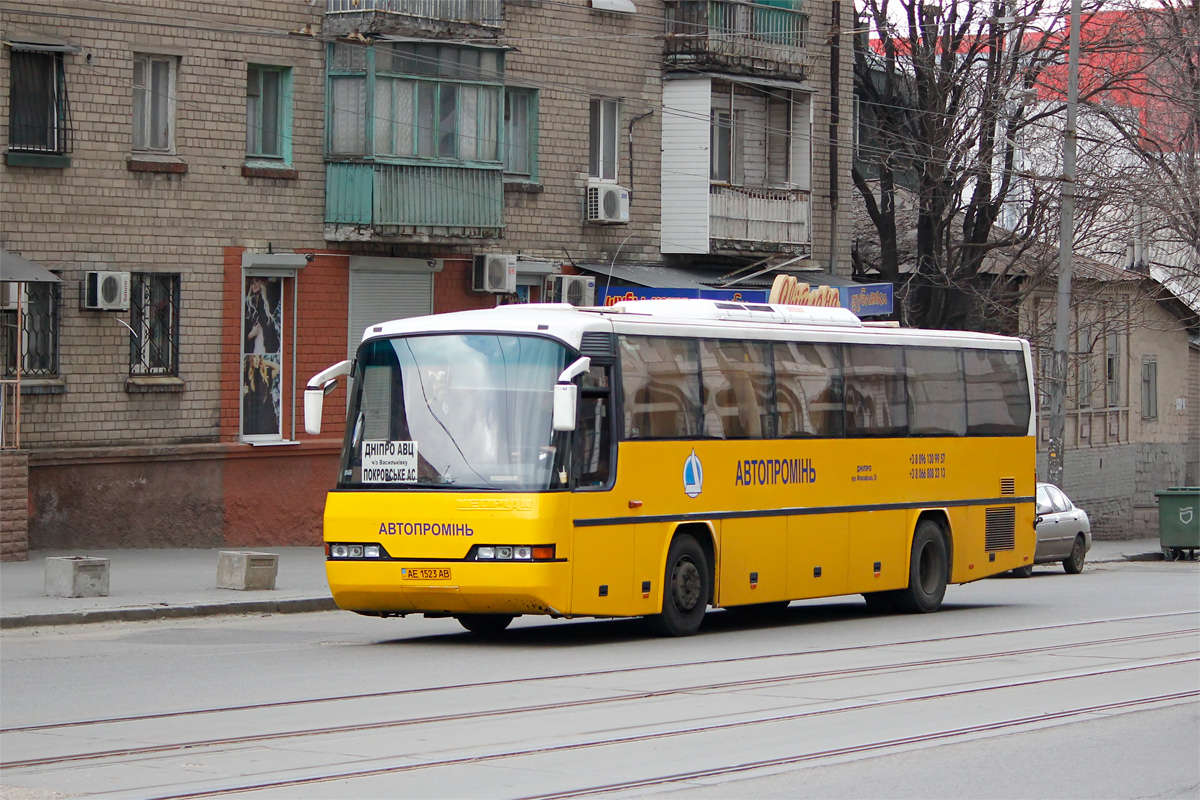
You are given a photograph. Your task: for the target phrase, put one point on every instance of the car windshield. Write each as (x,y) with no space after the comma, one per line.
(454,411)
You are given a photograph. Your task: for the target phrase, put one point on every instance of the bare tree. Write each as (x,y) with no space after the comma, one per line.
(1163,133)
(948,92)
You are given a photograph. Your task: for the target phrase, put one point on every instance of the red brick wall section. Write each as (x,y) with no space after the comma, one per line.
(321,334)
(452,289)
(14,505)
(275,496)
(231,345)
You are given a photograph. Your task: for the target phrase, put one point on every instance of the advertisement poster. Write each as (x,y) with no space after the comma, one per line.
(262,357)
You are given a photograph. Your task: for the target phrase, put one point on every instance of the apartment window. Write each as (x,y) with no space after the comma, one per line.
(520,132)
(268,112)
(428,101)
(725,142)
(1149,387)
(39,325)
(602,140)
(37,104)
(154,103)
(154,312)
(347,100)
(1112,370)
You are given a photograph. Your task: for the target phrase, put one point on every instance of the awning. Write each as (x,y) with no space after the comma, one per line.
(38,42)
(660,277)
(22,270)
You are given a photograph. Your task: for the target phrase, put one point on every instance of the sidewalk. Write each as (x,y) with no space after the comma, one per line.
(153,584)
(156,584)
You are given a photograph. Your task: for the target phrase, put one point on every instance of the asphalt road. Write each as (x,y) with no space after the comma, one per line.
(1054,686)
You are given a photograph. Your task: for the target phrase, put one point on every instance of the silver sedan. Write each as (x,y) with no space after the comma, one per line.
(1064,533)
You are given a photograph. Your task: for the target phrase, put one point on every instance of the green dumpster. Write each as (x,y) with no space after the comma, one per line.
(1179,521)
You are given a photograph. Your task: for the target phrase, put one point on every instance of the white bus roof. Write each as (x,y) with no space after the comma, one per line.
(682,317)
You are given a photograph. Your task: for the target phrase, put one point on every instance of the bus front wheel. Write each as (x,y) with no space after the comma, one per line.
(686,589)
(927,571)
(485,624)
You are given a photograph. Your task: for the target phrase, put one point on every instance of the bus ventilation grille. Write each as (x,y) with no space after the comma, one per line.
(598,344)
(1000,528)
(1008,487)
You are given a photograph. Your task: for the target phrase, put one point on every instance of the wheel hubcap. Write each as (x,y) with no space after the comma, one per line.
(685,585)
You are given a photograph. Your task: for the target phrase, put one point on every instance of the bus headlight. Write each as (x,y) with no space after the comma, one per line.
(512,552)
(348,551)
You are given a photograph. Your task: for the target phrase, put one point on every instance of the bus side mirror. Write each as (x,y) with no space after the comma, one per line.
(566,394)
(318,386)
(566,399)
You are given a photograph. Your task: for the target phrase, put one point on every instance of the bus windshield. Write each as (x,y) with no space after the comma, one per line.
(454,411)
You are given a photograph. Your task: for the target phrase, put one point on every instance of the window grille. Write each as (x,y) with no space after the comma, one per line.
(39,115)
(154,311)
(39,355)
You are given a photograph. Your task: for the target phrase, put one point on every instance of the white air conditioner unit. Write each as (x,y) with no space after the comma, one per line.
(106,291)
(10,295)
(578,290)
(494,273)
(606,204)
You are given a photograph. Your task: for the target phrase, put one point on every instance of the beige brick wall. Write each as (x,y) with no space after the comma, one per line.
(572,54)
(96,214)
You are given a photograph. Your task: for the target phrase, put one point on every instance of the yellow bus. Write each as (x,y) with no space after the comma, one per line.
(658,457)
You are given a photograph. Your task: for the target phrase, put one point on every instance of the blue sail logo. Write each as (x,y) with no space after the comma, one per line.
(693,475)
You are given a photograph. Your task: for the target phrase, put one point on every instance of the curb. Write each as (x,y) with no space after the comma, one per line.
(141,613)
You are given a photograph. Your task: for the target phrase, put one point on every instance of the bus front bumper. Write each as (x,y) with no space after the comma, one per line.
(473,588)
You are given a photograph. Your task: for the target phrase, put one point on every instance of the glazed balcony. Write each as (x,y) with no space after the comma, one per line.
(738,36)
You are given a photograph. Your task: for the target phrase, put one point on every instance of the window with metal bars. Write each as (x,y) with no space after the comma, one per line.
(154,312)
(37,336)
(38,118)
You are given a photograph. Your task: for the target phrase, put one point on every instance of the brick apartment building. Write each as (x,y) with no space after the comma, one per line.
(268,179)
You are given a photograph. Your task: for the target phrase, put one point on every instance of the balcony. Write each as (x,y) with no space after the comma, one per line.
(744,219)
(414,17)
(738,36)
(386,202)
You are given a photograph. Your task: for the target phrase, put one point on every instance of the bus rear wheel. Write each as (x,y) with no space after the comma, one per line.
(927,571)
(686,588)
(485,624)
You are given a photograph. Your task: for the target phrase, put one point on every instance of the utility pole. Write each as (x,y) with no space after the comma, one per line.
(1066,243)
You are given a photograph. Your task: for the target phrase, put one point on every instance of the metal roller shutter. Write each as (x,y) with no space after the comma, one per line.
(381,296)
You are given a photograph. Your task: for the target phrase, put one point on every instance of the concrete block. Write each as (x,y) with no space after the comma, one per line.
(245,570)
(76,576)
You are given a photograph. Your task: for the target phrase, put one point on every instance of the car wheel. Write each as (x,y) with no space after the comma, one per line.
(1073,565)
(927,571)
(687,585)
(1023,572)
(485,624)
